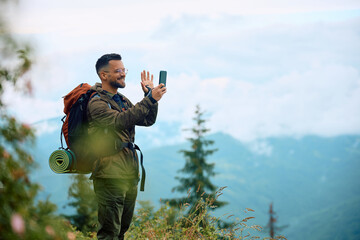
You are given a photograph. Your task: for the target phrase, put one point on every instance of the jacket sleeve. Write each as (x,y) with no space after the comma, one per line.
(143,114)
(150,118)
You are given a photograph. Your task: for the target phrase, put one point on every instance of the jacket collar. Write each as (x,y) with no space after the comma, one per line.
(104,95)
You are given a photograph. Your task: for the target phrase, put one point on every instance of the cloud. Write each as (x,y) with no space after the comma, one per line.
(49,126)
(322,101)
(261,148)
(30,109)
(259,69)
(72,19)
(259,82)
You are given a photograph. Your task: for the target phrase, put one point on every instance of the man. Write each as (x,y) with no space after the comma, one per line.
(112,120)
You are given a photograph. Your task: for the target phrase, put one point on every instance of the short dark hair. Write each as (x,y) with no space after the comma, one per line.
(104,60)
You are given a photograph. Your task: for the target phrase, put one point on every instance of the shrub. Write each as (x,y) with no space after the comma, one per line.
(172,223)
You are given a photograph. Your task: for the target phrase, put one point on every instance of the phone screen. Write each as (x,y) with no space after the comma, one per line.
(162,77)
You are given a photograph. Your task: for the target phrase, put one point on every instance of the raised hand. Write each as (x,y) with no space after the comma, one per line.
(146,81)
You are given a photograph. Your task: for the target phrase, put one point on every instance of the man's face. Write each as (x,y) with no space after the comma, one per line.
(115,74)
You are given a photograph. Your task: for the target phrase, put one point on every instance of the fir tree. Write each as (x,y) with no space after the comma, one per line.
(271,226)
(83,199)
(197,172)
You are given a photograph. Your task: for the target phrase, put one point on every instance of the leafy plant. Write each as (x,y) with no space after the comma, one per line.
(21,216)
(174,223)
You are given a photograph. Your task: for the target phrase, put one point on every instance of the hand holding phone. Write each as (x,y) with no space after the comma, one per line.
(162,77)
(160,90)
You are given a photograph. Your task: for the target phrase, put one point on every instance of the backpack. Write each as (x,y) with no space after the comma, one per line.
(76,158)
(79,156)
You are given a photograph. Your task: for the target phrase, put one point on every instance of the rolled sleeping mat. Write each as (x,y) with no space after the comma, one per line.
(62,161)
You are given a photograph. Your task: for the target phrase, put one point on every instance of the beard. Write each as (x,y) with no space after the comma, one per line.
(116,84)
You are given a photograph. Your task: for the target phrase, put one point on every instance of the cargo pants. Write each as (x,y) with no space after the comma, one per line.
(116,202)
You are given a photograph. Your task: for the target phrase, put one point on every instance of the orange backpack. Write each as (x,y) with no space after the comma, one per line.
(75,126)
(78,157)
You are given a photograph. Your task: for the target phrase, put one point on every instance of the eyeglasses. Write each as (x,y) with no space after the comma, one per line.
(124,70)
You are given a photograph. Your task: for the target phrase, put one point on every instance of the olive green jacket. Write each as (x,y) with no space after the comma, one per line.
(108,123)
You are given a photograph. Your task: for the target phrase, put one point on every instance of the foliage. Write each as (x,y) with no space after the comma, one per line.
(21,217)
(84,201)
(168,223)
(197,171)
(15,57)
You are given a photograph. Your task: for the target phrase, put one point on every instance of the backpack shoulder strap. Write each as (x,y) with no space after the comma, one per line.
(97,95)
(94,94)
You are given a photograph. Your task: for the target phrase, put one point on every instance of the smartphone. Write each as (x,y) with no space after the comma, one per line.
(162,77)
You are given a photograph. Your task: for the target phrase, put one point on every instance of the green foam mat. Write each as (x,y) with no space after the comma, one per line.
(62,161)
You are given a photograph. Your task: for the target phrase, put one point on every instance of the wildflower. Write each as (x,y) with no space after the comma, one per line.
(26,126)
(18,224)
(5,154)
(50,230)
(18,173)
(71,235)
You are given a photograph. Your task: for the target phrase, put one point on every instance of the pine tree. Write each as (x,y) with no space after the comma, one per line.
(197,172)
(271,226)
(84,201)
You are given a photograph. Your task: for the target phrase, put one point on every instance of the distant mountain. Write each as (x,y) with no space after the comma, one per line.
(313,182)
(306,176)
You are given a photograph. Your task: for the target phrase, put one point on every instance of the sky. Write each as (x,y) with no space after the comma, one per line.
(258,68)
